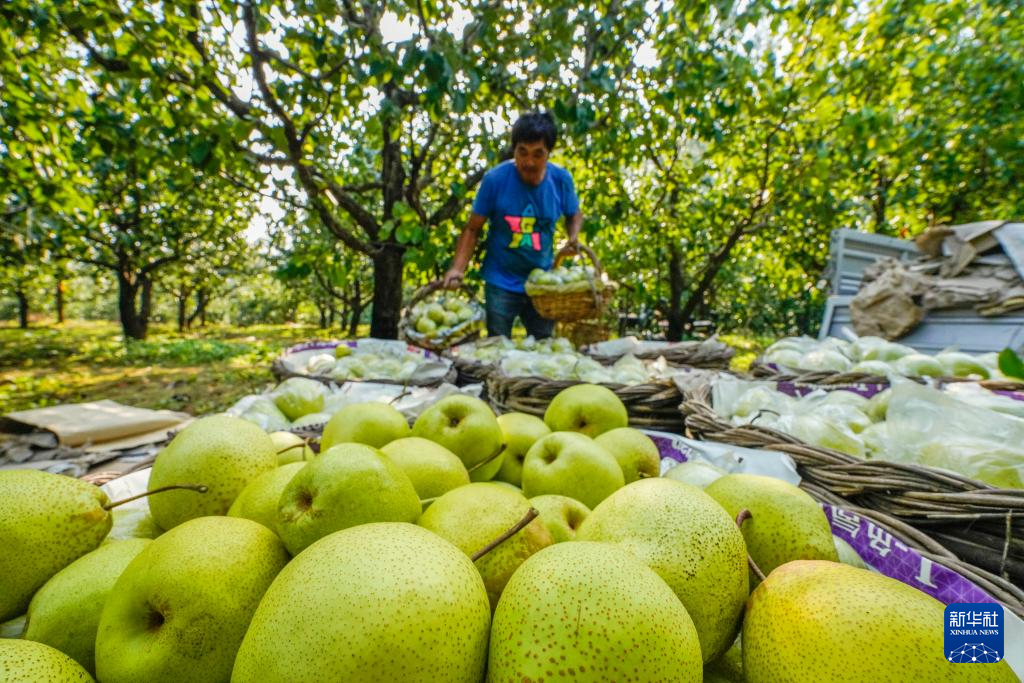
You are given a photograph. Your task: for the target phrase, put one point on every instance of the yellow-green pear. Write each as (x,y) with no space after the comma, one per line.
(561,515)
(635,452)
(47,522)
(179,611)
(519,432)
(689,541)
(814,620)
(474,515)
(377,602)
(695,473)
(347,485)
(467,427)
(259,500)
(785,523)
(846,553)
(25,661)
(65,612)
(373,424)
(590,612)
(590,409)
(433,469)
(221,452)
(573,465)
(290,448)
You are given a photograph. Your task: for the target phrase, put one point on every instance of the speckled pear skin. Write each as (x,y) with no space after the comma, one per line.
(47,521)
(30,662)
(591,612)
(179,611)
(786,524)
(224,453)
(571,464)
(65,612)
(377,602)
(258,500)
(690,542)
(474,515)
(814,620)
(561,515)
(345,486)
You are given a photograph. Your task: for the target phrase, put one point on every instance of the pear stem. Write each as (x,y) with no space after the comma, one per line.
(492,456)
(304,444)
(743,516)
(201,488)
(529,517)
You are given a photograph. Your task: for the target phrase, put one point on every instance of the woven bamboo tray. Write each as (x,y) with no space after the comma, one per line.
(977,523)
(765,371)
(465,332)
(651,406)
(282,373)
(708,354)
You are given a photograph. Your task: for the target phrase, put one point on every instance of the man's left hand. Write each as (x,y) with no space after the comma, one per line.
(571,248)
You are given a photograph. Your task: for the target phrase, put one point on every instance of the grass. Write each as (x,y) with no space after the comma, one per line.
(197,372)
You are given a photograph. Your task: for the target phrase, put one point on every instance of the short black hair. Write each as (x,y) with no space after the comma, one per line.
(535,126)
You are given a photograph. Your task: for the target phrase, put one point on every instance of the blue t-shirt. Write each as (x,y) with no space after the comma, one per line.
(521,220)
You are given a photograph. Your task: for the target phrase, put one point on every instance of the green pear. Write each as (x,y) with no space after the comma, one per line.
(24,661)
(590,612)
(290,448)
(132,522)
(519,432)
(696,473)
(377,602)
(345,486)
(433,469)
(298,396)
(473,516)
(561,515)
(179,611)
(689,541)
(65,612)
(728,668)
(222,452)
(48,522)
(573,465)
(814,620)
(372,424)
(586,408)
(785,523)
(636,453)
(259,500)
(467,427)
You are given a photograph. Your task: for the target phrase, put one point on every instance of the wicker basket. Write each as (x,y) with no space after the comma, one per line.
(583,332)
(981,525)
(465,332)
(651,406)
(281,373)
(827,379)
(569,307)
(709,354)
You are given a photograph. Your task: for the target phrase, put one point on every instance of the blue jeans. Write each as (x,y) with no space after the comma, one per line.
(503,306)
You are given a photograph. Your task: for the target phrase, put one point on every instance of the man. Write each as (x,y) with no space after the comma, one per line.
(521,200)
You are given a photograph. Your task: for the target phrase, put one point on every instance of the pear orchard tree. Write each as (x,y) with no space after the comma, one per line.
(383,140)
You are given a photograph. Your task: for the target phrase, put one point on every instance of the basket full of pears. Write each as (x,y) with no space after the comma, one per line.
(571,293)
(437,320)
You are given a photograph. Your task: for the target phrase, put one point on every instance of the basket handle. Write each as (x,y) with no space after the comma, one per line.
(584,249)
(431,287)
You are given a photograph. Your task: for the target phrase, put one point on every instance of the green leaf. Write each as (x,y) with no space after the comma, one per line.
(1010,364)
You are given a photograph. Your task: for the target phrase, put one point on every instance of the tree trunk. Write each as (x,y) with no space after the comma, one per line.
(134,296)
(322,310)
(714,265)
(675,295)
(22,308)
(59,301)
(182,320)
(387,292)
(202,298)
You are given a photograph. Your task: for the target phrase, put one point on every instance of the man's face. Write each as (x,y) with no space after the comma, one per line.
(531,161)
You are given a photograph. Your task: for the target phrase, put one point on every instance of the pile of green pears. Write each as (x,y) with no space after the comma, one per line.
(467,547)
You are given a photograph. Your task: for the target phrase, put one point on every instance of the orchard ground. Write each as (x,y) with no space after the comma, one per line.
(198,372)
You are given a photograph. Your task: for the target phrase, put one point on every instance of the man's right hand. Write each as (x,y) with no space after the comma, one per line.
(452,279)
